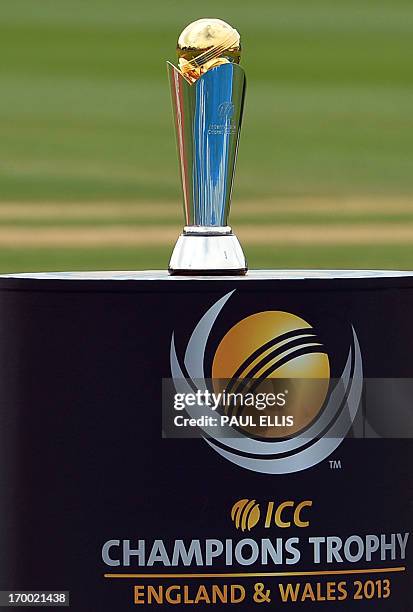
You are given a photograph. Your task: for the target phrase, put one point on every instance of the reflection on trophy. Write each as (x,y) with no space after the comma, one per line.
(208,91)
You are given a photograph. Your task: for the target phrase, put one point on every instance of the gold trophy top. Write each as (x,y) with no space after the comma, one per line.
(205,44)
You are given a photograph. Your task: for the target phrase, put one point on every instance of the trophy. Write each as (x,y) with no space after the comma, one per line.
(208,90)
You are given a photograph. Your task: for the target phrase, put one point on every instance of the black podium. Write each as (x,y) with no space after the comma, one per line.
(96,499)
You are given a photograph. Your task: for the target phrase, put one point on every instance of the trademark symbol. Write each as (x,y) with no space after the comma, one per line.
(335,465)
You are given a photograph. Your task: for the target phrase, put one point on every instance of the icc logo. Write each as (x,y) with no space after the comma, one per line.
(245,514)
(226,110)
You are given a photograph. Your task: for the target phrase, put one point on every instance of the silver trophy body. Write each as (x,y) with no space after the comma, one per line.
(208,116)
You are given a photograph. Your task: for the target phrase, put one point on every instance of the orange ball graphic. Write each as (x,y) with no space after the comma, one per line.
(273,353)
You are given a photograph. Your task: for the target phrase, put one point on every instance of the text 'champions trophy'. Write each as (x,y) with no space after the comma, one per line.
(208,91)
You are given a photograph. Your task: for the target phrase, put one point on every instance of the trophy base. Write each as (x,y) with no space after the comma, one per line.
(203,253)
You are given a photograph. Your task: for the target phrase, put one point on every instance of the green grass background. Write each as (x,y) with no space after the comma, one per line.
(85,114)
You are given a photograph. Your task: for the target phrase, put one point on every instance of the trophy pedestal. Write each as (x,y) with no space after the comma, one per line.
(203,251)
(84,464)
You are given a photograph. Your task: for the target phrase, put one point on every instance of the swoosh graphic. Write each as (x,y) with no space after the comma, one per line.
(321,439)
